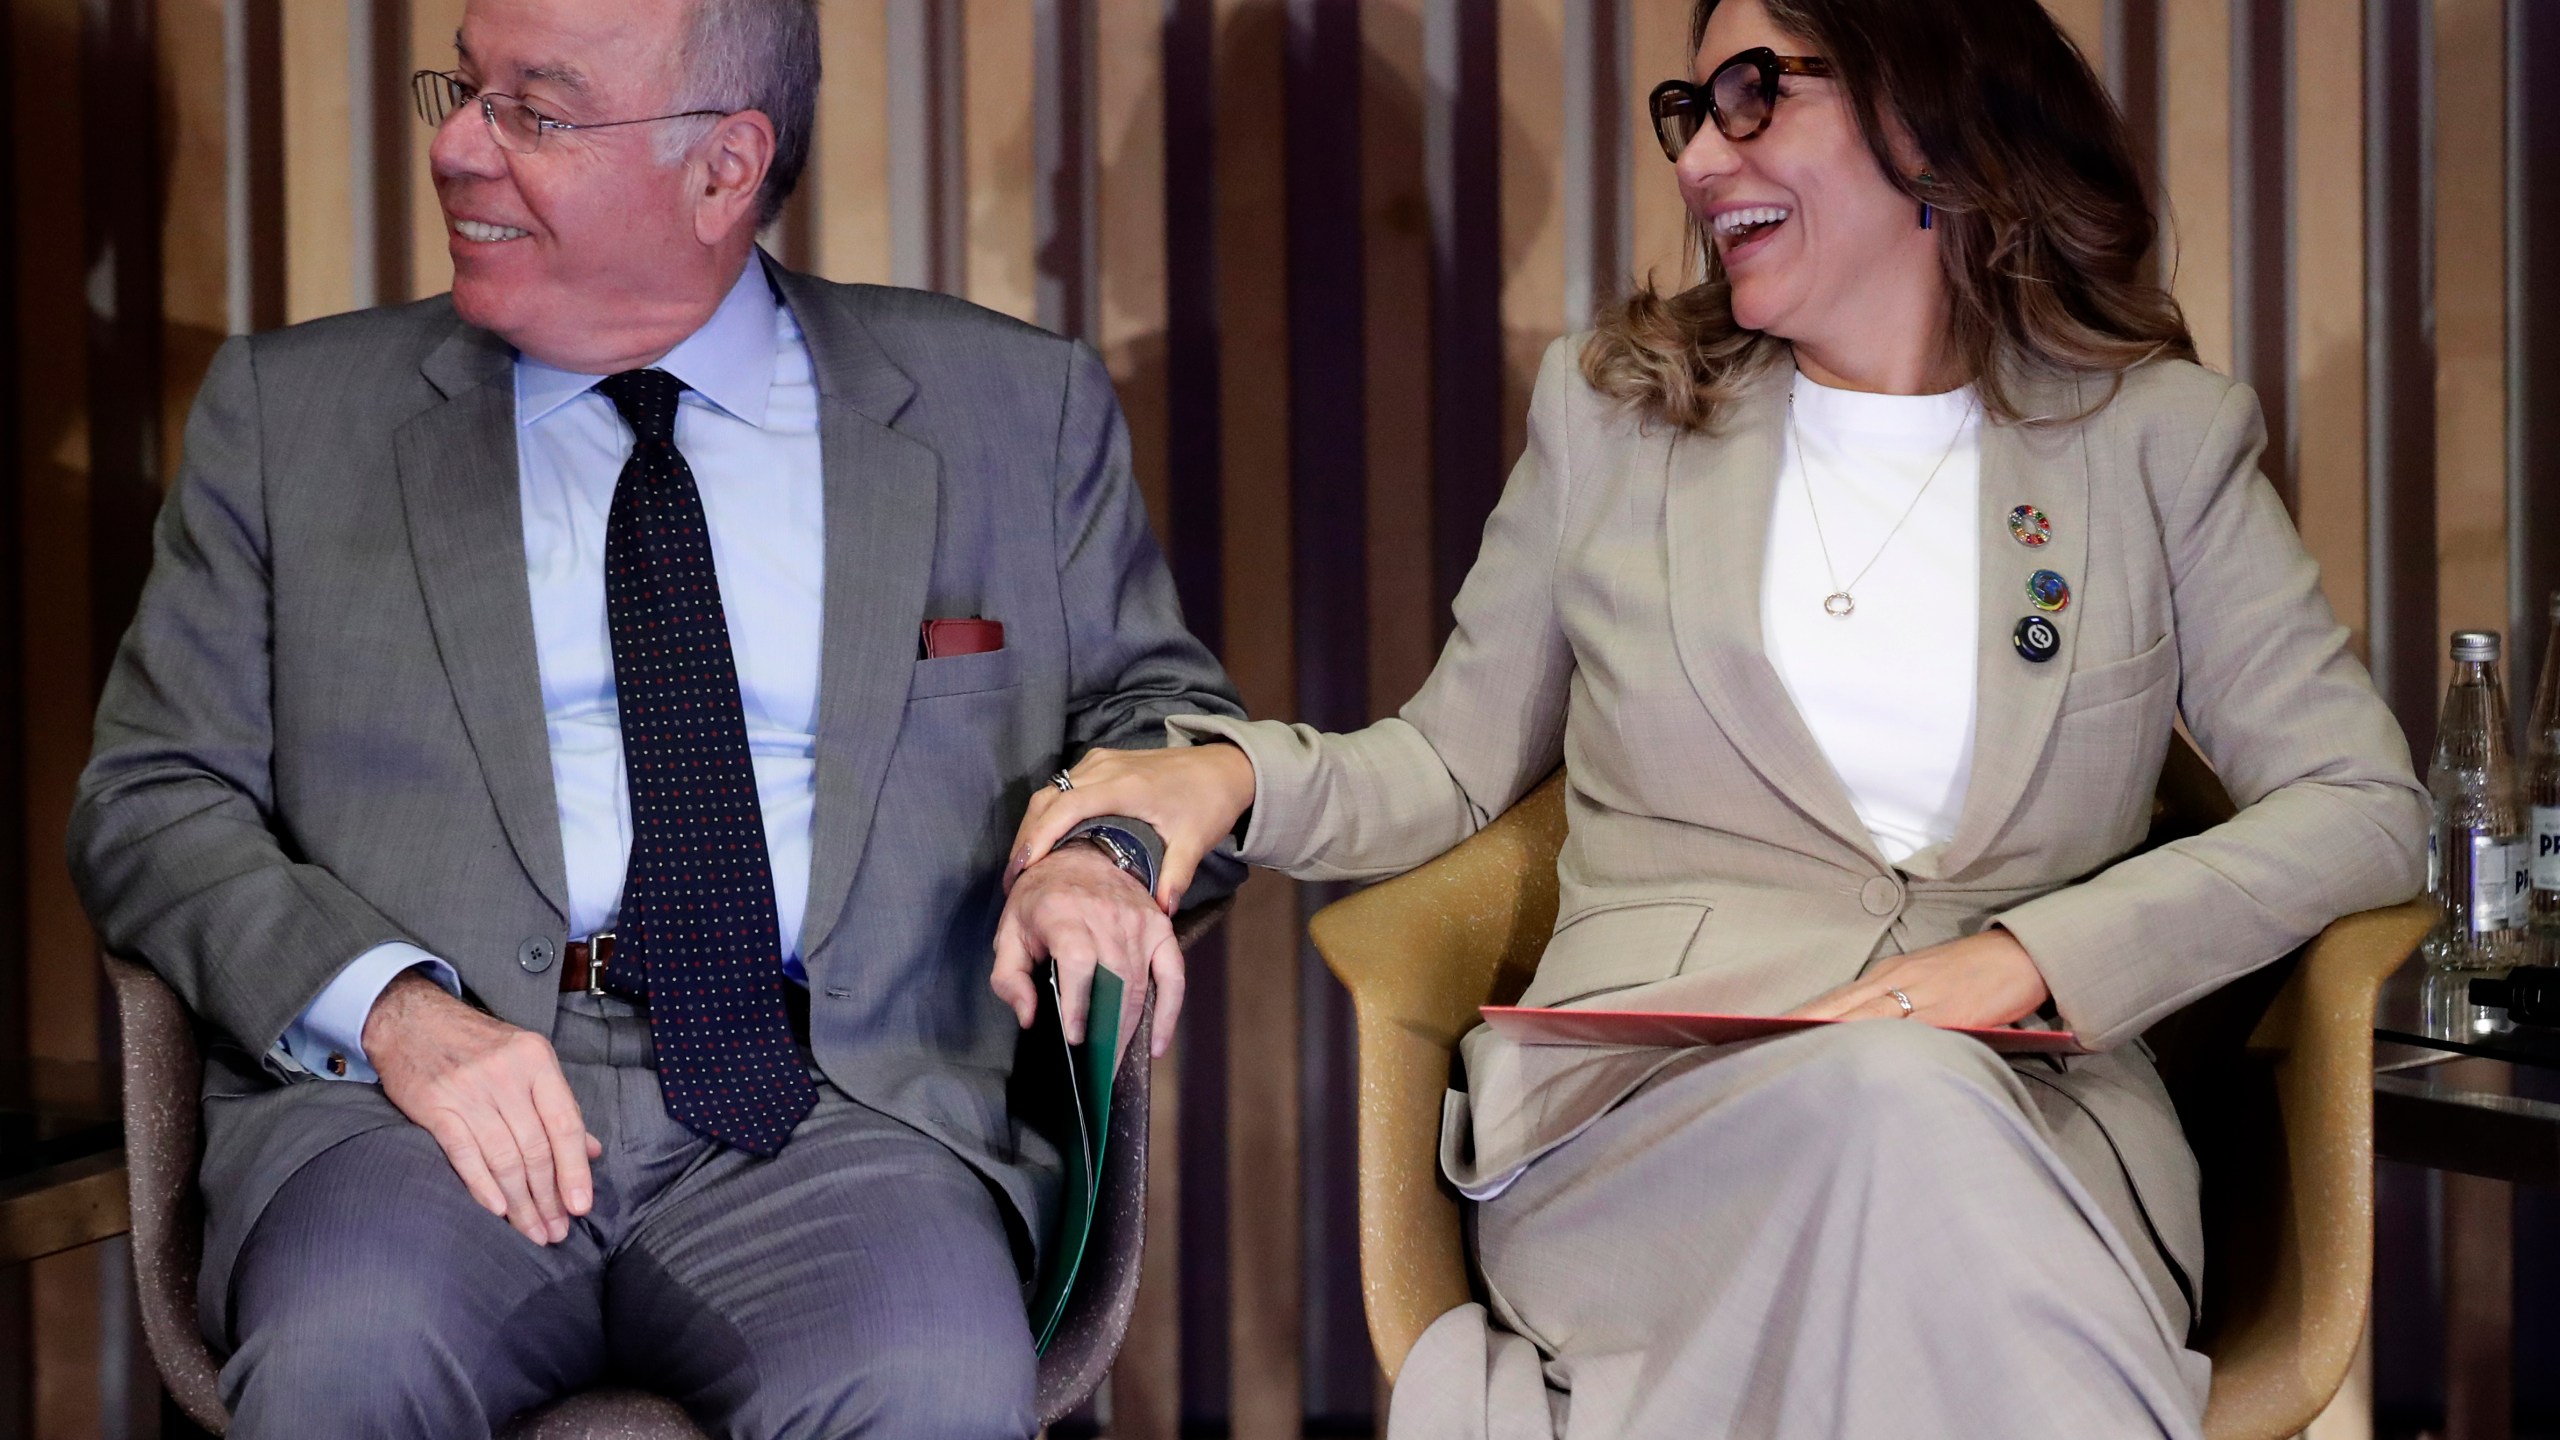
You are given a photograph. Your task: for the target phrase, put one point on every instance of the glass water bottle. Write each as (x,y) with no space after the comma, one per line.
(2477,860)
(2542,794)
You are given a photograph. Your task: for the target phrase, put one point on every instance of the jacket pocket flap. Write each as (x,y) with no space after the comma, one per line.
(965,674)
(1615,945)
(2120,679)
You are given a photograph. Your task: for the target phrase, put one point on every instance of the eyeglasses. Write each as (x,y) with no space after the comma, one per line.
(516,125)
(1739,97)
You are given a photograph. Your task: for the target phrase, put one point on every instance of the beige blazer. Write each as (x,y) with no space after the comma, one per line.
(1714,862)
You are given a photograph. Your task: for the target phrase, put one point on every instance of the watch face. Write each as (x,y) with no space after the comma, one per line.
(1118,851)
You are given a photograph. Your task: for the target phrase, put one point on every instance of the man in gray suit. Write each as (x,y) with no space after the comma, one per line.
(594,705)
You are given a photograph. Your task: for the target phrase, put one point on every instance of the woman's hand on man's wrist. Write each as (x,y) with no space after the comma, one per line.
(1192,795)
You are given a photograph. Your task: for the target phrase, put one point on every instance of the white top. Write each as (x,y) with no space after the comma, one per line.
(1889,692)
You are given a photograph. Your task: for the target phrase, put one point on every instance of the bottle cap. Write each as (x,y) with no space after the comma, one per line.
(2474,646)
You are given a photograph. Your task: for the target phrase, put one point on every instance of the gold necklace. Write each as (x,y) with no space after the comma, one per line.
(1840,604)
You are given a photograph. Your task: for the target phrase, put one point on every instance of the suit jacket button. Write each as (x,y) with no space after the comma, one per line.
(535,954)
(1880,896)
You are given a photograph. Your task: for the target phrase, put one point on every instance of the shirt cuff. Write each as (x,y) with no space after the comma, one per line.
(327,1038)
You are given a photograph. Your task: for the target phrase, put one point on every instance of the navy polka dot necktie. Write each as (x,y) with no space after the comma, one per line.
(697,926)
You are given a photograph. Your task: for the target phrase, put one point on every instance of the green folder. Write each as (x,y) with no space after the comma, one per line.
(1078,1104)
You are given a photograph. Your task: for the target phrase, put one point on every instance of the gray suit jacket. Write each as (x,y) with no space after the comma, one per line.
(1714,862)
(325,728)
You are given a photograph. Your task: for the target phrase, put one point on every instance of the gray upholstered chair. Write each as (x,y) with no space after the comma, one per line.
(163,1081)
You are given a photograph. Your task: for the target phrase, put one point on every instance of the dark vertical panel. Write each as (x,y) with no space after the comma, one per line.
(2133,77)
(1066,269)
(1463,166)
(120,134)
(2533,569)
(2533,319)
(2537,1271)
(2261,214)
(17,1388)
(13,774)
(2400,359)
(2408,1306)
(389,137)
(1328,490)
(257,157)
(2477,1238)
(1192,379)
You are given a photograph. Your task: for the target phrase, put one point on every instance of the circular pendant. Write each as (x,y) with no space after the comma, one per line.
(1838,605)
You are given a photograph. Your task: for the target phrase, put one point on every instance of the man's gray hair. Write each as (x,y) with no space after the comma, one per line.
(754,55)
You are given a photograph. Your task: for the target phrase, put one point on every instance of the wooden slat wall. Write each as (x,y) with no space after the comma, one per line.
(1321,244)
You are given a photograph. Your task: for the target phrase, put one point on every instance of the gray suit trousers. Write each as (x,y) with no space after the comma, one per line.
(862,1282)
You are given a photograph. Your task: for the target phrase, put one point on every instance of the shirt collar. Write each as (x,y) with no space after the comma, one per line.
(729,361)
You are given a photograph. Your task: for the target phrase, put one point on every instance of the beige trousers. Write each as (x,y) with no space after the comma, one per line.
(1870,1230)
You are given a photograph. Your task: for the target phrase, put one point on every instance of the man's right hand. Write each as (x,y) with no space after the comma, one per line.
(493,1096)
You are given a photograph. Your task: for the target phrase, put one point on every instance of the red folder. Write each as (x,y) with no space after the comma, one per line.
(1673,1028)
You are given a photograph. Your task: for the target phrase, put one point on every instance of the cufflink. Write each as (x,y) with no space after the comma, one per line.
(337,1064)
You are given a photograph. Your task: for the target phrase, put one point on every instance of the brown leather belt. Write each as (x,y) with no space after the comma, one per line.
(583,964)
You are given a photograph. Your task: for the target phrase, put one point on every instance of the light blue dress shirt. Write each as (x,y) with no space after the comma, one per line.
(748,425)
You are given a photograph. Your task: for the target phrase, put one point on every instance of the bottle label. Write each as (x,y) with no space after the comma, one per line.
(2546,847)
(2500,880)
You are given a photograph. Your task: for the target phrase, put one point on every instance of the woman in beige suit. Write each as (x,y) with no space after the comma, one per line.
(1858,590)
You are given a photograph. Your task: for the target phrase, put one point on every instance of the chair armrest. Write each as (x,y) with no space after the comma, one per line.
(1419,954)
(2276,1366)
(163,1099)
(1106,1295)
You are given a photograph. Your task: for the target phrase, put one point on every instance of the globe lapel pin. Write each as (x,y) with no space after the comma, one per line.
(2049,592)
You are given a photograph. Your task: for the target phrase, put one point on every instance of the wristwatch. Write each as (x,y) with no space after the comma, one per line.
(1120,849)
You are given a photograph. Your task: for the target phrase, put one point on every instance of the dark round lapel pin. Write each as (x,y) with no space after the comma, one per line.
(2049,592)
(2037,639)
(2029,525)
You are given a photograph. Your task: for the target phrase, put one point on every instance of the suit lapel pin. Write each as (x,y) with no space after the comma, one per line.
(2037,639)
(2030,527)
(2049,592)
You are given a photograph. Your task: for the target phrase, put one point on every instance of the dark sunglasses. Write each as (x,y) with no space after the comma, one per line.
(1738,97)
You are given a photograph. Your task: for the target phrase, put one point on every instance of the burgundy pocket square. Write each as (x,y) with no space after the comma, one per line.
(946,638)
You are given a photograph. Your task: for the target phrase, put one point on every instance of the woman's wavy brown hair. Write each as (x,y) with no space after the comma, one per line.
(2043,218)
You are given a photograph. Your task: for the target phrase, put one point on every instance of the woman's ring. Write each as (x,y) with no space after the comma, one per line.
(1065,783)
(1902,1000)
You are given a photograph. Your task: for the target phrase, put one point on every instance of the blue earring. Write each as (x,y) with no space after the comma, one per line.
(1927,215)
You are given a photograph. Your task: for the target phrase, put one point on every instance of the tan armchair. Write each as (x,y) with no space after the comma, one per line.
(2273,1077)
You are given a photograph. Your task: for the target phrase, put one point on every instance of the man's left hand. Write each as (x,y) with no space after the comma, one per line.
(1978,982)
(1076,909)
